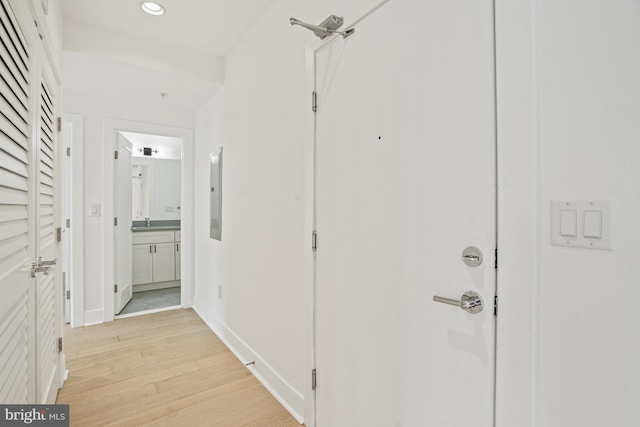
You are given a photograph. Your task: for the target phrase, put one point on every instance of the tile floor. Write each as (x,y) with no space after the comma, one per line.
(149,300)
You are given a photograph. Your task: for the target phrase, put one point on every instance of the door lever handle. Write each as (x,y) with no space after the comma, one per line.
(471,302)
(35,268)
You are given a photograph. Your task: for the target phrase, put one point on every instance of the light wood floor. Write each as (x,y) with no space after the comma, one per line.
(161,369)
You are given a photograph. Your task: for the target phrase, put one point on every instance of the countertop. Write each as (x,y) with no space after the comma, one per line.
(156,225)
(155,228)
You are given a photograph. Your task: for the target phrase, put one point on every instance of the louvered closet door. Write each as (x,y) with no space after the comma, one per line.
(17,304)
(30,307)
(48,293)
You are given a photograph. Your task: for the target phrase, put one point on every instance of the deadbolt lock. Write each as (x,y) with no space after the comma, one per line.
(472,256)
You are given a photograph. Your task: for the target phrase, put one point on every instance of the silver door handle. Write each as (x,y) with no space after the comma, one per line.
(471,302)
(40,267)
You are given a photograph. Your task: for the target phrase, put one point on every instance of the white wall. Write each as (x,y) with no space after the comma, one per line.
(97,89)
(259,261)
(567,121)
(569,105)
(258,117)
(589,130)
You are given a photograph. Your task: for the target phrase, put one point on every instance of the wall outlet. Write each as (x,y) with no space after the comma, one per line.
(219,291)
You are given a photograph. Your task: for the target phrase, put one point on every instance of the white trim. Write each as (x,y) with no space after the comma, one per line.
(76,278)
(359,11)
(110,127)
(518,215)
(93,317)
(308,279)
(155,286)
(285,393)
(153,310)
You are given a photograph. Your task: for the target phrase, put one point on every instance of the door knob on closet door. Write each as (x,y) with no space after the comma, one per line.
(40,266)
(471,302)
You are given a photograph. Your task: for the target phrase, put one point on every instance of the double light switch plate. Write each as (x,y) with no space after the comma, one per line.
(582,224)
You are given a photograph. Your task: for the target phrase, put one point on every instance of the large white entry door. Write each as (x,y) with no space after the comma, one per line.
(405,181)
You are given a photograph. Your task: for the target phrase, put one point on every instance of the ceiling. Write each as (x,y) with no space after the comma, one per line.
(118,59)
(208,27)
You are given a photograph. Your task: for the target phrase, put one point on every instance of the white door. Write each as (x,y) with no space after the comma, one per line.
(123,235)
(405,181)
(17,221)
(31,303)
(49,291)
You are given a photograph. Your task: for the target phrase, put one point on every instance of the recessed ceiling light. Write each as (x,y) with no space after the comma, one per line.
(152,8)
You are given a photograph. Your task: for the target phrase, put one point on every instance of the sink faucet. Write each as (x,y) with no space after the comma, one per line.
(147,222)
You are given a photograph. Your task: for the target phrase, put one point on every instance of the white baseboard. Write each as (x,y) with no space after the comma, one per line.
(290,398)
(154,286)
(142,313)
(93,317)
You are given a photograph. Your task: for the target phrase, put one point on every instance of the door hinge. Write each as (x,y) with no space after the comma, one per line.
(115,289)
(115,154)
(314,241)
(68,151)
(313,379)
(59,234)
(59,124)
(115,221)
(314,101)
(496,264)
(60,345)
(68,223)
(68,294)
(495,305)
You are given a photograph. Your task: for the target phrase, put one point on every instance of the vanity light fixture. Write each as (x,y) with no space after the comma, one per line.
(147,151)
(152,8)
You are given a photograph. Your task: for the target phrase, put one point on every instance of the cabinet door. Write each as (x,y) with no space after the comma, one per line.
(177,244)
(142,269)
(164,262)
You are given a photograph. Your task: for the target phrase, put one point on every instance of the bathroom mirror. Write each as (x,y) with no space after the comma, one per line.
(155,176)
(155,189)
(215,195)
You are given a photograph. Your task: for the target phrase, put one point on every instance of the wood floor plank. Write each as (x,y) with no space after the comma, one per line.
(162,369)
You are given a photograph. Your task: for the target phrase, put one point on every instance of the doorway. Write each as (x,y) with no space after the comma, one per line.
(111,130)
(405,211)
(148,200)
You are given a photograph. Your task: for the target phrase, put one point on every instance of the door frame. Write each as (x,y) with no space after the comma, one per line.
(122,145)
(361,11)
(110,129)
(74,125)
(519,214)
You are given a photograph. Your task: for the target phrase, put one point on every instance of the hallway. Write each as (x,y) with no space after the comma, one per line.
(161,369)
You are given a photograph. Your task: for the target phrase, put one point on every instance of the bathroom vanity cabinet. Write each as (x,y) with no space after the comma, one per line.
(156,256)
